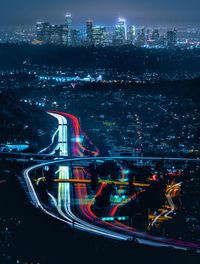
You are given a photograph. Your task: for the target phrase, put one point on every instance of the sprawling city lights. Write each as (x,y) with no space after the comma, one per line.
(99,132)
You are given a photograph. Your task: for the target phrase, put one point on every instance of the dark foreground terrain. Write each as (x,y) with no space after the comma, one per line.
(121,59)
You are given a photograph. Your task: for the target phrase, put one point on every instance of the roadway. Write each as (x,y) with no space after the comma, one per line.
(44,157)
(63,200)
(82,217)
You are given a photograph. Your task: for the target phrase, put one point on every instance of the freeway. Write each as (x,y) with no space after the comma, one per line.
(63,202)
(70,142)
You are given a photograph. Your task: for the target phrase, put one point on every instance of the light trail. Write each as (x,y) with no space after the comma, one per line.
(64,199)
(168,195)
(52,141)
(78,148)
(64,202)
(117,183)
(156,241)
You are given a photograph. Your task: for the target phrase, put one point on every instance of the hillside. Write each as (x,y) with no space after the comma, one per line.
(20,122)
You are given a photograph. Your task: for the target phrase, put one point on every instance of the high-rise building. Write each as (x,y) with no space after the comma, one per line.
(89,33)
(43,31)
(67,30)
(49,34)
(141,38)
(171,38)
(99,36)
(131,34)
(148,35)
(156,36)
(120,37)
(56,34)
(162,40)
(75,38)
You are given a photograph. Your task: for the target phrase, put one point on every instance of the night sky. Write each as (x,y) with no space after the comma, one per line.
(139,12)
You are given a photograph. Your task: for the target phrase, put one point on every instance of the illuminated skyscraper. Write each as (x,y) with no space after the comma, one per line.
(43,31)
(131,34)
(141,38)
(89,32)
(99,36)
(148,34)
(120,32)
(156,36)
(75,38)
(56,34)
(67,30)
(171,38)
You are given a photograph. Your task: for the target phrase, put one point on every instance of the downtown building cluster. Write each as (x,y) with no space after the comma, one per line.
(100,36)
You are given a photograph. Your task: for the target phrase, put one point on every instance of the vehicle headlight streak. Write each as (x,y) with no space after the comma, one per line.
(168,195)
(52,141)
(64,188)
(64,199)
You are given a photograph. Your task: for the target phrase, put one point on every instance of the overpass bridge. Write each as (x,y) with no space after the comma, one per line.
(49,157)
(30,156)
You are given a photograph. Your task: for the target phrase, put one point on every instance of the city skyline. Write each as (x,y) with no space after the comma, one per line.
(98,36)
(140,12)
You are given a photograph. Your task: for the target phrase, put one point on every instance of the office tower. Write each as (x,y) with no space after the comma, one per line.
(75,38)
(89,33)
(171,38)
(131,34)
(56,34)
(162,40)
(67,30)
(148,35)
(141,38)
(120,37)
(156,36)
(148,40)
(99,36)
(43,31)
(109,38)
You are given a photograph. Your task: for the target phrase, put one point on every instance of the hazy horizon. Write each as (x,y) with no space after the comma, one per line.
(138,12)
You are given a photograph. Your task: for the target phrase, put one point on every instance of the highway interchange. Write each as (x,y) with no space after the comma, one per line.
(67,141)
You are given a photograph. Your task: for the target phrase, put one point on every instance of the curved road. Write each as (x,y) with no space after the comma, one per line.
(85,219)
